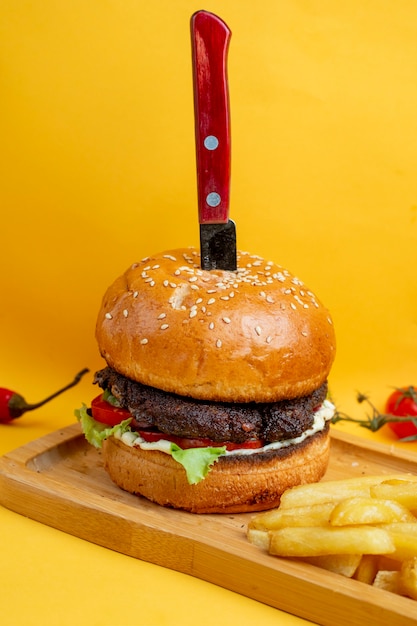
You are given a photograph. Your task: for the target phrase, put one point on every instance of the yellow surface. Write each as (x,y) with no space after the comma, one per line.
(97,170)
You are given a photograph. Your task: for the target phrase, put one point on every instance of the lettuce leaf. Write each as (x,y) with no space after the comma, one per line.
(96,432)
(196,461)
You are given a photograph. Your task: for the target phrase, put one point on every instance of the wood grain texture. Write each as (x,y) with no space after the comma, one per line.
(59,480)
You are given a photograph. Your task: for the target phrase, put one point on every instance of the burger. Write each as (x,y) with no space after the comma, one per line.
(214,394)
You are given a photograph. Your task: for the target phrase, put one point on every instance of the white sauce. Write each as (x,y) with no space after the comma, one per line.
(323,415)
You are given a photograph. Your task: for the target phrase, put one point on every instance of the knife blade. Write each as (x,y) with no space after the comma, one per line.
(210,38)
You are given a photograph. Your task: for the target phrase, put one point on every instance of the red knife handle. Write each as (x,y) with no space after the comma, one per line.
(210,41)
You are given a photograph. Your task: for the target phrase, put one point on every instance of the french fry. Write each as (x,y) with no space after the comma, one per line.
(408,578)
(343,564)
(310,515)
(335,490)
(363,528)
(404,528)
(404,492)
(367,569)
(317,540)
(259,538)
(387,580)
(367,510)
(405,545)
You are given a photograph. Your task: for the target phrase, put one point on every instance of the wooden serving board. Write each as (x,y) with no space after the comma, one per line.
(59,480)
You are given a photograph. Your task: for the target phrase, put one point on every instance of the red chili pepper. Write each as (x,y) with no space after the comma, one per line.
(13,405)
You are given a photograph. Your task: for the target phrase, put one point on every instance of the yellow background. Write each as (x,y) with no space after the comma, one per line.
(97,170)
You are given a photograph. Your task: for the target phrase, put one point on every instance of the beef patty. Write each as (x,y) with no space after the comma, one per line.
(153,409)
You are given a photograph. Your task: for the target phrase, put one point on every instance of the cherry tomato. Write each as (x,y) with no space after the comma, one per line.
(106,413)
(403,403)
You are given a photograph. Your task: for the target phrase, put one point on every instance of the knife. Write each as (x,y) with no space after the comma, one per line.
(210,38)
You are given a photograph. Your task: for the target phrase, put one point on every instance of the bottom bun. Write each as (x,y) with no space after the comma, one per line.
(235,484)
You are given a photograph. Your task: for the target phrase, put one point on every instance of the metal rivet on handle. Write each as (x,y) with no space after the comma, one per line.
(211,142)
(213,199)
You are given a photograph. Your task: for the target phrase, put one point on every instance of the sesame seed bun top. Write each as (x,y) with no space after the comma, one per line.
(257,334)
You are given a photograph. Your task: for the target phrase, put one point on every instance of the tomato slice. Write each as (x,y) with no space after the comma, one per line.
(199,442)
(106,413)
(402,403)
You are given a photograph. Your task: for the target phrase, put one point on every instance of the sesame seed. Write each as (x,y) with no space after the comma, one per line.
(135,294)
(305,306)
(193,313)
(162,316)
(165,283)
(155,267)
(258,330)
(304,333)
(287,291)
(164,326)
(195,287)
(192,279)
(125,312)
(170,257)
(211,325)
(152,283)
(173,285)
(218,343)
(262,294)
(269,339)
(224,297)
(211,301)
(293,306)
(211,290)
(199,300)
(232,294)
(227,320)
(109,316)
(270,299)
(177,272)
(144,341)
